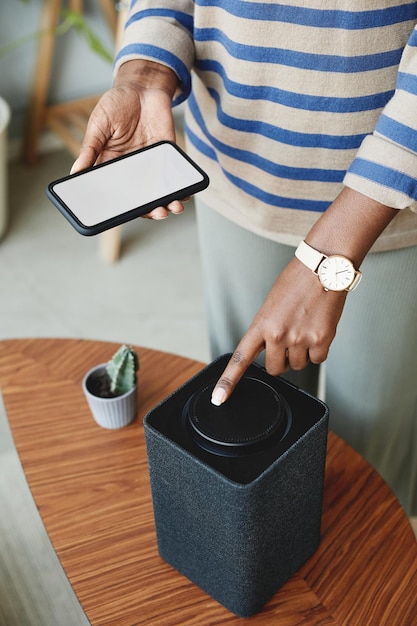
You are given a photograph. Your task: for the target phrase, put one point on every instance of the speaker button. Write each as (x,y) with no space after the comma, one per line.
(254,417)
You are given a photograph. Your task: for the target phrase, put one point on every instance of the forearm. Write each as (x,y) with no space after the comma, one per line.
(350,226)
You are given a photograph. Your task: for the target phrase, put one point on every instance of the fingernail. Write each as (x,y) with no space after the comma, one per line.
(218,396)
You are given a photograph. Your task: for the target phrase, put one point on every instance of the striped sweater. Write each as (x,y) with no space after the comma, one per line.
(286,102)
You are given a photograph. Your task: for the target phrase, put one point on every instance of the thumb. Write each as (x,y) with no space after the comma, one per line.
(86,158)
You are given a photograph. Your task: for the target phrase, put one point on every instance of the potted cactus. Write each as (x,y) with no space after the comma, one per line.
(111,389)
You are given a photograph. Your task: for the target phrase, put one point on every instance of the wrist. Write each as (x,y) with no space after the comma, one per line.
(147,75)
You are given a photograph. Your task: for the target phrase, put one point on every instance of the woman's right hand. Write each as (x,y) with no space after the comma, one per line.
(134,113)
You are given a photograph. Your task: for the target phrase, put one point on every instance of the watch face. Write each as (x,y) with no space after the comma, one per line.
(336,273)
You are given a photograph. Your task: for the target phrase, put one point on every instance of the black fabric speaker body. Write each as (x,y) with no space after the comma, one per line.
(238,513)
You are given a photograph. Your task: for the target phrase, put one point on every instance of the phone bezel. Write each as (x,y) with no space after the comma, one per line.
(127,216)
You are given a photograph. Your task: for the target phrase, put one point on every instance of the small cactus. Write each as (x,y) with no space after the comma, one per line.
(122,369)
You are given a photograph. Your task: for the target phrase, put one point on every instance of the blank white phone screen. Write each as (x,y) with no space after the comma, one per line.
(105,192)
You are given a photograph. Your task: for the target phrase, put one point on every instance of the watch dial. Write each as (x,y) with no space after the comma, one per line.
(336,273)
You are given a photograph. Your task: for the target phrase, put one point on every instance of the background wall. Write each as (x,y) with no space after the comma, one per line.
(77,71)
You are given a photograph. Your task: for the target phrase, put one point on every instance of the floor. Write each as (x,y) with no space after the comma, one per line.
(55,284)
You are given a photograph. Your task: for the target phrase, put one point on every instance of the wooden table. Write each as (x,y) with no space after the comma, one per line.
(92,490)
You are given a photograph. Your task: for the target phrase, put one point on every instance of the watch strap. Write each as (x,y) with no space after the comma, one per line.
(309,256)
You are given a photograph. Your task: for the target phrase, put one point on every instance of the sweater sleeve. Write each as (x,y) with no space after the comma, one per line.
(155,31)
(385,166)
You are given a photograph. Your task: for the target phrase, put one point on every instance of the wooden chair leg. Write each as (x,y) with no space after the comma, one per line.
(110,244)
(49,19)
(107,7)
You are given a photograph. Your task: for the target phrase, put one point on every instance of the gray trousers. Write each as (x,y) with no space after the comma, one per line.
(371,370)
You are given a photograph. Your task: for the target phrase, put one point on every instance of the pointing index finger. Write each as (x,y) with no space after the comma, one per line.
(236,367)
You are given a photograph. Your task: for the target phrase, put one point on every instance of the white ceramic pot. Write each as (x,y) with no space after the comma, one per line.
(4,122)
(109,412)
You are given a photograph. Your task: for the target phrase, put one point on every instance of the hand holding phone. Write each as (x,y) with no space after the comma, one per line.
(119,190)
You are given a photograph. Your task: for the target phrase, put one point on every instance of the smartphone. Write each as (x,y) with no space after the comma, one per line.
(119,190)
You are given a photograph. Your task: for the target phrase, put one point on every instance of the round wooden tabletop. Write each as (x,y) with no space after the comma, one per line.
(91,487)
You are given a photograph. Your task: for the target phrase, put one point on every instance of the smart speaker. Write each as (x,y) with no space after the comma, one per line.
(237,489)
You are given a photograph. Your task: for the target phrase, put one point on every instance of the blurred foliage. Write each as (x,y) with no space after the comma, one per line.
(70,20)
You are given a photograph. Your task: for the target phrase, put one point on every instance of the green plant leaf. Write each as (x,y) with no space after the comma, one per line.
(73,19)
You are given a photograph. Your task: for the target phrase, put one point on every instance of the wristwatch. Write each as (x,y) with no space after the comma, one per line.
(335,272)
